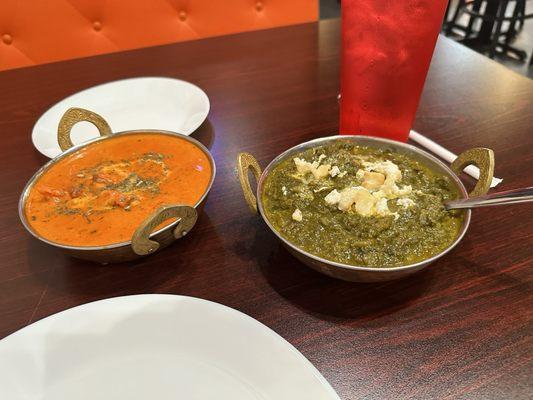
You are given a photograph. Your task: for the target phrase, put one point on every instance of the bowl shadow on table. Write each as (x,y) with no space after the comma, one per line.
(39,158)
(205,134)
(151,274)
(329,298)
(469,266)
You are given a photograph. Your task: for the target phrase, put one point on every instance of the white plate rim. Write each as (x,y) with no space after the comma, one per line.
(200,91)
(80,308)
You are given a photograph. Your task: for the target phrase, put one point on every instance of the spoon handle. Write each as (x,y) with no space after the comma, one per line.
(522,195)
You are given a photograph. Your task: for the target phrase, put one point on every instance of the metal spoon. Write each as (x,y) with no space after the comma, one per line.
(522,195)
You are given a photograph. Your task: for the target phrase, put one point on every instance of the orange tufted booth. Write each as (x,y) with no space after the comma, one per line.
(40,31)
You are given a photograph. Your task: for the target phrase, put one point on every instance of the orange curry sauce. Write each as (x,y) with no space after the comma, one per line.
(100,194)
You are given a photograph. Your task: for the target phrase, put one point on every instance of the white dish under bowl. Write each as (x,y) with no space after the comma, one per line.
(128,104)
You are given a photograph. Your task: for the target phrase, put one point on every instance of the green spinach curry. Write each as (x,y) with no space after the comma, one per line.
(361,206)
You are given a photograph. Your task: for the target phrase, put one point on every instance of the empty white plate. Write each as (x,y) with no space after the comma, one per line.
(155,347)
(137,103)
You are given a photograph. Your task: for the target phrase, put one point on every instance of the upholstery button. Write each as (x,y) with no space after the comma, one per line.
(7,38)
(259,6)
(183,15)
(97,25)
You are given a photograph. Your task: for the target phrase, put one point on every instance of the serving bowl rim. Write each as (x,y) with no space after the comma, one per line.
(314,143)
(74,149)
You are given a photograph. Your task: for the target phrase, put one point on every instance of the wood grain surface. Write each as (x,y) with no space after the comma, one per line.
(461,329)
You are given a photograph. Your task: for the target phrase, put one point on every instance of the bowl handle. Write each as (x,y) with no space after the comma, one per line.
(246,161)
(482,158)
(71,117)
(140,242)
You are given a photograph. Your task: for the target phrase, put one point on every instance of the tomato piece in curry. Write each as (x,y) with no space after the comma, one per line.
(100,194)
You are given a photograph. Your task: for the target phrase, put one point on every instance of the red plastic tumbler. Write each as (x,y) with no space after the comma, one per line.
(386,51)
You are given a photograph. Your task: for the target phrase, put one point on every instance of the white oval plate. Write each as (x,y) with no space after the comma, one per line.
(137,103)
(155,347)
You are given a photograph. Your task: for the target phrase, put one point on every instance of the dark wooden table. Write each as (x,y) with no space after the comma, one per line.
(461,329)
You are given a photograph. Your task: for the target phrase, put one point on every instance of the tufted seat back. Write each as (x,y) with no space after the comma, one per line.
(40,31)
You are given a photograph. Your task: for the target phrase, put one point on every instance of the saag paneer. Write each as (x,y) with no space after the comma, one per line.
(361,206)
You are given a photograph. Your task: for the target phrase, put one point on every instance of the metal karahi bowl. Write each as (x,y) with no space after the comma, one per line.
(481,157)
(144,241)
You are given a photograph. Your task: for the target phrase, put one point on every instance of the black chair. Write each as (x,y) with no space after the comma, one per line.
(493,14)
(493,17)
(452,25)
